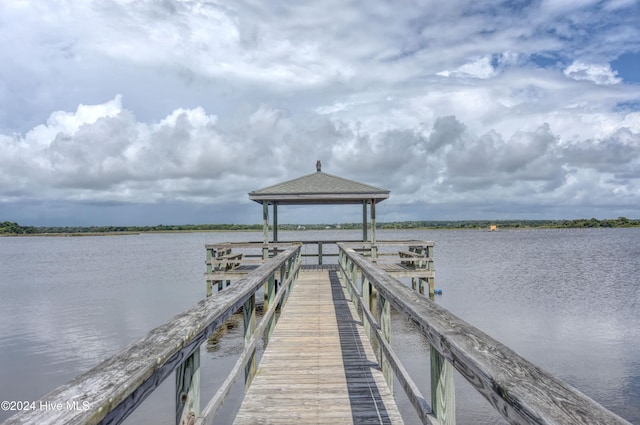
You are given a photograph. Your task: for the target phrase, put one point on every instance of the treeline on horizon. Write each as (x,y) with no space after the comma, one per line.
(10,228)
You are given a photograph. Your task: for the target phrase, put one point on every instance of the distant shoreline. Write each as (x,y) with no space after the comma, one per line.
(64,235)
(14,229)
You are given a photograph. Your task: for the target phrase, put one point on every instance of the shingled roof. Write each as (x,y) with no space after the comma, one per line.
(319,188)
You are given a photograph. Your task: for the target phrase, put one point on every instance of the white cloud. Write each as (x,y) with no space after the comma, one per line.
(439,102)
(102,153)
(598,74)
(477,68)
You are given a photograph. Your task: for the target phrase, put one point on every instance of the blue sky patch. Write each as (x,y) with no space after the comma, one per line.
(630,106)
(628,67)
(545,61)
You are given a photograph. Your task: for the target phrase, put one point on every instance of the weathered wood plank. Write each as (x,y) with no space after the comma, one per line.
(443,396)
(209,412)
(522,392)
(249,245)
(115,387)
(401,270)
(412,391)
(188,390)
(384,319)
(317,369)
(249,315)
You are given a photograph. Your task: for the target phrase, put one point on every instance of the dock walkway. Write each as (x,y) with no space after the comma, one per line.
(319,367)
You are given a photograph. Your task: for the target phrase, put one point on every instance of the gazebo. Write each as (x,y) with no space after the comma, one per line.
(319,188)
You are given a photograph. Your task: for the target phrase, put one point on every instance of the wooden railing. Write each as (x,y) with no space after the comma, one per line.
(231,255)
(413,259)
(520,391)
(109,392)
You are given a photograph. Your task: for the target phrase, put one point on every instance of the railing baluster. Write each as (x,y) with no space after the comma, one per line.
(249,314)
(517,389)
(291,265)
(210,256)
(188,389)
(269,296)
(114,388)
(383,317)
(366,301)
(443,396)
(510,383)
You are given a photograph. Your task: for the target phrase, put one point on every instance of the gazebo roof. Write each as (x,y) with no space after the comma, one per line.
(319,188)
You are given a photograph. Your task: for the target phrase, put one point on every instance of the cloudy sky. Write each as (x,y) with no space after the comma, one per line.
(117,112)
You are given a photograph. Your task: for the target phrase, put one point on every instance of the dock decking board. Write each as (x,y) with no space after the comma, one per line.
(319,367)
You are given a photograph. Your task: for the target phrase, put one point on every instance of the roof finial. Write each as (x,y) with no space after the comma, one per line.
(318,166)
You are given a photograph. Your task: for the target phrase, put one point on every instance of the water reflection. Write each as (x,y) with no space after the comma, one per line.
(565,299)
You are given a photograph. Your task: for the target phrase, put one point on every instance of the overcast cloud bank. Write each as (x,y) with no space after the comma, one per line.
(129,112)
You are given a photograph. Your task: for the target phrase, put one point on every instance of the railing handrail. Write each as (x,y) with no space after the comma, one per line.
(350,243)
(110,391)
(386,354)
(259,248)
(520,391)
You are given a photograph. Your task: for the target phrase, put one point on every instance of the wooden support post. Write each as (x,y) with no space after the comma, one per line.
(355,288)
(209,258)
(374,247)
(265,229)
(432,286)
(320,252)
(429,252)
(366,300)
(275,222)
(219,285)
(249,313)
(209,270)
(430,265)
(421,285)
(188,390)
(443,396)
(347,269)
(414,283)
(269,297)
(278,285)
(364,221)
(290,266)
(383,313)
(354,275)
(348,273)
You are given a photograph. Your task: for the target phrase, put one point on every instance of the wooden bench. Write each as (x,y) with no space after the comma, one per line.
(228,261)
(418,249)
(412,259)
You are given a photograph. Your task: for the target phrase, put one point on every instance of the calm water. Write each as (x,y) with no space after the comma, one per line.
(568,300)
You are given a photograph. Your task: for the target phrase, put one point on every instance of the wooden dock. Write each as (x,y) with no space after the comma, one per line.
(319,367)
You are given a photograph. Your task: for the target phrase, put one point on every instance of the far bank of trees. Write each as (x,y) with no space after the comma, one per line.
(15,229)
(514,224)
(10,228)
